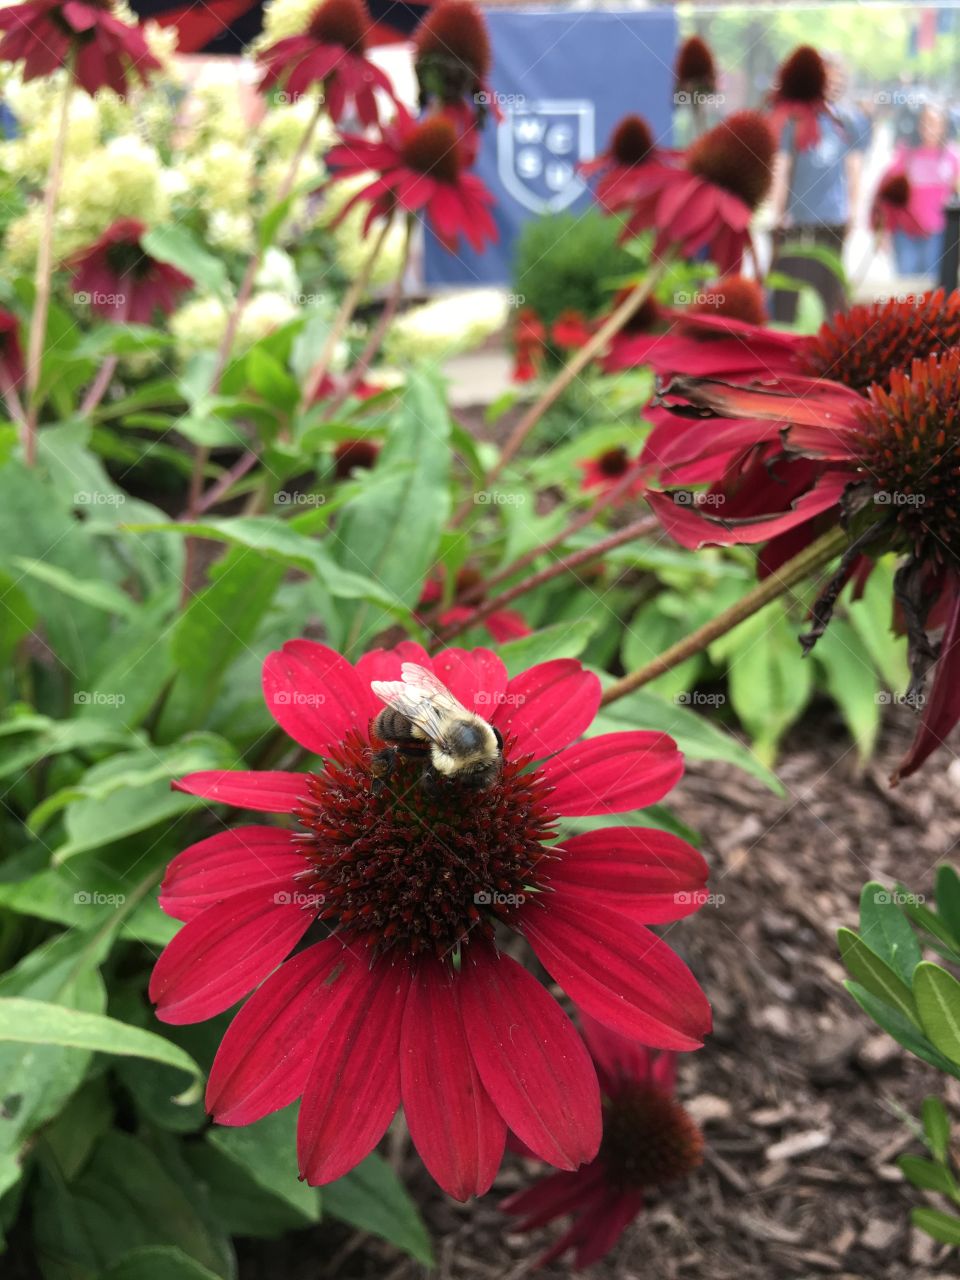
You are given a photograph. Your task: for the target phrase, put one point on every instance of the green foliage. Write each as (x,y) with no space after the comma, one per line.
(569,261)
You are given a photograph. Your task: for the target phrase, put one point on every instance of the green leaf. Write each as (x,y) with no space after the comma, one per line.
(560,640)
(267,1151)
(92,591)
(269,379)
(885,930)
(696,737)
(175,244)
(374,1199)
(769,683)
(948,900)
(928,1176)
(852,683)
(937,996)
(871,618)
(392,536)
(936,1126)
(863,964)
(157,1262)
(901,1028)
(944,1227)
(36,1022)
(273,220)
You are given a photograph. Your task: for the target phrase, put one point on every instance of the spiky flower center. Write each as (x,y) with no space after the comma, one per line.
(632,141)
(803,76)
(736,297)
(648,1138)
(455,32)
(420,868)
(909,448)
(737,155)
(342,22)
(613,463)
(865,344)
(695,65)
(350,454)
(432,148)
(127,260)
(895,191)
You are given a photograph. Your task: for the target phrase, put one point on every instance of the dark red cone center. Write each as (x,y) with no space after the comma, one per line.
(803,76)
(432,149)
(648,1138)
(737,156)
(342,22)
(632,141)
(455,31)
(614,463)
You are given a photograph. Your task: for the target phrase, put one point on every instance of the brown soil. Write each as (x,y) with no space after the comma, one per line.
(801,1097)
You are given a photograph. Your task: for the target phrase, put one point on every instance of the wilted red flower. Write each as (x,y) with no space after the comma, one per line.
(502,625)
(421,167)
(708,203)
(529,344)
(121,281)
(408,998)
(84,35)
(885,466)
(695,71)
(891,208)
(607,470)
(649,1141)
(354,455)
(800,95)
(632,157)
(11,354)
(452,54)
(331,53)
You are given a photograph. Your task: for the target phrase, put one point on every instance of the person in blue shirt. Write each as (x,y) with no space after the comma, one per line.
(814,194)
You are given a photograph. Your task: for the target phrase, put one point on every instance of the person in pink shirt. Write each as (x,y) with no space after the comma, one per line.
(933,168)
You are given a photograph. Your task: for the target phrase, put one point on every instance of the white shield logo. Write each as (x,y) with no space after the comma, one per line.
(539,145)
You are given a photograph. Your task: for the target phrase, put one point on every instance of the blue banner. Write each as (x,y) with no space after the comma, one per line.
(562,81)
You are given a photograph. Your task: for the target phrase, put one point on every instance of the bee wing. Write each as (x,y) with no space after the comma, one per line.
(422,698)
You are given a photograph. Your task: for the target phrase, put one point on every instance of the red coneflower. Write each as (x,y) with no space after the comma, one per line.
(800,95)
(607,470)
(84,35)
(571,329)
(649,1141)
(856,348)
(502,625)
(695,71)
(708,203)
(331,53)
(409,999)
(891,209)
(529,345)
(452,54)
(421,167)
(887,467)
(11,354)
(631,157)
(121,281)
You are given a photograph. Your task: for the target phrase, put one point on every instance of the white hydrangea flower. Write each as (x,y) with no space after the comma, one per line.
(231,231)
(29,155)
(282,18)
(199,325)
(121,180)
(283,127)
(221,177)
(446,326)
(349,244)
(264,312)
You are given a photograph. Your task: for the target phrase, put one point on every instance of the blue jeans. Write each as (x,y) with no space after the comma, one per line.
(917,255)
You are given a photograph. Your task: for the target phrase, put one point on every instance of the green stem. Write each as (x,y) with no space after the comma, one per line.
(777,584)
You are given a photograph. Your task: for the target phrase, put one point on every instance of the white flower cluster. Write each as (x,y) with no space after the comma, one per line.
(446,327)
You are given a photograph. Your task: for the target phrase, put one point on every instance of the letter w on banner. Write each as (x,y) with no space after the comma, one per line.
(561,82)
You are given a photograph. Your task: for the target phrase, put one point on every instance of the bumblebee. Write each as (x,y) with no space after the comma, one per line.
(422,719)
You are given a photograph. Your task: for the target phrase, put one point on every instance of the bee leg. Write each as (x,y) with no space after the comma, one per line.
(429,781)
(382,765)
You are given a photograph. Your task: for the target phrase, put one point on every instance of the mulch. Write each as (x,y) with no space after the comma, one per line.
(802,1099)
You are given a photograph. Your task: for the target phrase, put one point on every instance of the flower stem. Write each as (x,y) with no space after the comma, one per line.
(777,584)
(637,529)
(341,320)
(615,322)
(41,302)
(98,388)
(369,353)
